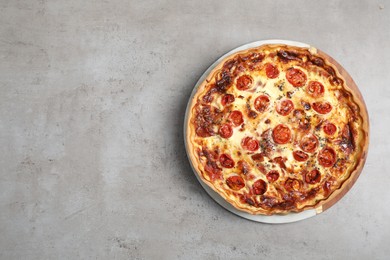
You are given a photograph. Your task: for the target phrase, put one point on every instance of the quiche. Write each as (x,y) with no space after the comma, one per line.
(277,129)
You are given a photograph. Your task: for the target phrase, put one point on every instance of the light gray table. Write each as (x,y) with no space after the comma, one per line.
(92,99)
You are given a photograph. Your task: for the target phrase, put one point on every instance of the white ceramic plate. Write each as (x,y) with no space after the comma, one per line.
(274,219)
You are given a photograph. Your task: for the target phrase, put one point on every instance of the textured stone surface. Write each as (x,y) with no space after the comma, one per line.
(92,99)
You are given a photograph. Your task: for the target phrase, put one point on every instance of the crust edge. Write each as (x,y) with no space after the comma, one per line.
(349,85)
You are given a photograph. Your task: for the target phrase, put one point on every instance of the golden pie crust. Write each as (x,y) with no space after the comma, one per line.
(243,171)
